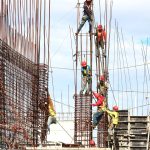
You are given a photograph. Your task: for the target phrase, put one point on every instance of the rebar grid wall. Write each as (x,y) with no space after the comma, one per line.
(83,131)
(22,89)
(102,132)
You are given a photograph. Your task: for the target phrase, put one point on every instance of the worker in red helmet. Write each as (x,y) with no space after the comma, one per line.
(100,40)
(92,143)
(102,85)
(114,117)
(87,16)
(86,78)
(101,104)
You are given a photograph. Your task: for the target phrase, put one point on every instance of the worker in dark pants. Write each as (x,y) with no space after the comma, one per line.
(101,108)
(87,16)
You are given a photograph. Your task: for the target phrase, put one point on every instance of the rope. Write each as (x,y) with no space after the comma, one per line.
(136,71)
(65,130)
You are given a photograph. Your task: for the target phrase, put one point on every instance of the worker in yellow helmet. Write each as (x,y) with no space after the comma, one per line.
(114,117)
(52,113)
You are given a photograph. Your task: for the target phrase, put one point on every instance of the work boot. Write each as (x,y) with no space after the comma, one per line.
(81,92)
(104,55)
(76,33)
(86,93)
(97,53)
(93,126)
(74,96)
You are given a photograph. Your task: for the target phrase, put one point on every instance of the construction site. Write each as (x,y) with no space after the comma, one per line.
(80,87)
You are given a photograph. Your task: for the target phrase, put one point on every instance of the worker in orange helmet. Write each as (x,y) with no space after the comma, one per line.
(100,40)
(101,108)
(51,113)
(102,85)
(114,117)
(87,15)
(86,77)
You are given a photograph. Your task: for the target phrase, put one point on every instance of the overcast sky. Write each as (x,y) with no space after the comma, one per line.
(132,17)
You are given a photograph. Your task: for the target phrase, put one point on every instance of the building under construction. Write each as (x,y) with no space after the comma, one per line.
(24,83)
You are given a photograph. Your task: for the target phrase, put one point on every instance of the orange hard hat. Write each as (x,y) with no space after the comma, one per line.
(99,27)
(115,108)
(102,78)
(96,94)
(92,143)
(83,64)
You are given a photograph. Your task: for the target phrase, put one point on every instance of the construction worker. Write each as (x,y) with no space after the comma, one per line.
(87,15)
(114,115)
(102,85)
(52,113)
(101,108)
(100,40)
(86,77)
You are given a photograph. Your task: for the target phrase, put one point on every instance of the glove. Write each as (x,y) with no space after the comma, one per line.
(104,109)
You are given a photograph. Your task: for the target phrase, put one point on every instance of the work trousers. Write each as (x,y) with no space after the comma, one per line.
(84,19)
(97,117)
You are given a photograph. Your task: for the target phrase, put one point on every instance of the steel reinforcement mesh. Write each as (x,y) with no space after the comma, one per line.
(102,132)
(22,90)
(83,117)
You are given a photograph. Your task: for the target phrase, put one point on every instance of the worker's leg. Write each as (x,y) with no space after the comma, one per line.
(83,85)
(51,120)
(90,24)
(84,19)
(97,117)
(49,123)
(102,47)
(89,81)
(97,48)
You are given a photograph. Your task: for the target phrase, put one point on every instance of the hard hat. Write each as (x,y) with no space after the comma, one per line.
(92,143)
(83,64)
(99,27)
(96,94)
(115,108)
(102,78)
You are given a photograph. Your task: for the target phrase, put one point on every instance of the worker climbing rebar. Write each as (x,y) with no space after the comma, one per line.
(114,117)
(86,77)
(52,113)
(100,40)
(87,15)
(101,108)
(102,85)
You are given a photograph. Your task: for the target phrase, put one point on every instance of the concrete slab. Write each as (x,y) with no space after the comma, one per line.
(59,148)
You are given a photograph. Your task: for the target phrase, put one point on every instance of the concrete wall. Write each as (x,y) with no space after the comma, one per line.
(59,132)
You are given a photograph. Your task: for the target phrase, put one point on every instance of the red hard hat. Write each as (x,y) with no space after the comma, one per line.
(115,108)
(92,143)
(100,27)
(83,64)
(102,78)
(96,94)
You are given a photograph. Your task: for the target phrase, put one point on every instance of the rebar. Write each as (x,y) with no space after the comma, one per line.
(22,91)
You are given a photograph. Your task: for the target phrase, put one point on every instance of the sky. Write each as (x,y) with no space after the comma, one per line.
(132,18)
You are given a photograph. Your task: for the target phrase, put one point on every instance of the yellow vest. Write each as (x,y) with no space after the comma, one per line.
(51,109)
(114,115)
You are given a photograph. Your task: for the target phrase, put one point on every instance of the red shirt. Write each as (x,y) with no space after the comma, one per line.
(101,35)
(100,100)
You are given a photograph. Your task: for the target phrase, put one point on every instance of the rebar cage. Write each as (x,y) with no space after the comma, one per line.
(23,87)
